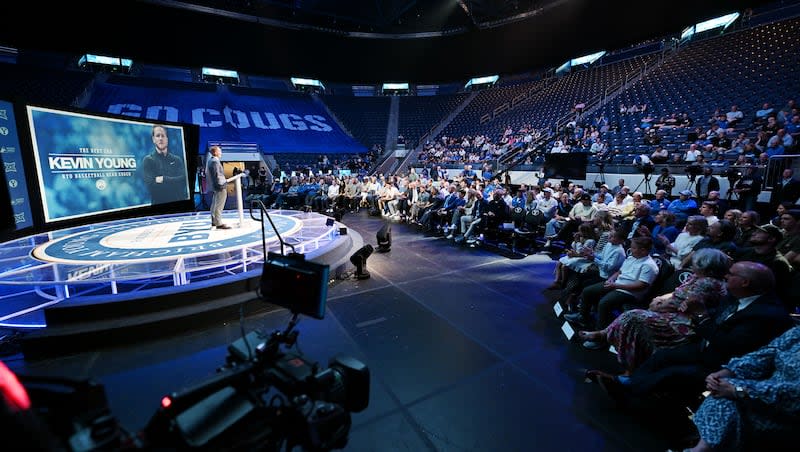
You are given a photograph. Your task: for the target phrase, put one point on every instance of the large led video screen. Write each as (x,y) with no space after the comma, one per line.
(89,164)
(14,169)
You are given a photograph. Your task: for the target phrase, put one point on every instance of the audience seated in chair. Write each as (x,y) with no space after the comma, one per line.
(637,333)
(628,286)
(749,318)
(754,400)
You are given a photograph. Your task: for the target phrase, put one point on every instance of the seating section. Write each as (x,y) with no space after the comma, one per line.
(745,68)
(45,86)
(468,122)
(558,99)
(366,118)
(420,114)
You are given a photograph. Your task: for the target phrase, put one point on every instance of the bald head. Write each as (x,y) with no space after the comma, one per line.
(750,278)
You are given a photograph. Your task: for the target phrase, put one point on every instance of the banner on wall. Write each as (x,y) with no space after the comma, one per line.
(284,122)
(14,168)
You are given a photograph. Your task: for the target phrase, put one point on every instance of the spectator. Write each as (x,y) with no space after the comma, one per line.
(637,333)
(627,286)
(660,202)
(660,155)
(664,226)
(683,206)
(607,260)
(684,244)
(750,318)
(755,394)
(734,116)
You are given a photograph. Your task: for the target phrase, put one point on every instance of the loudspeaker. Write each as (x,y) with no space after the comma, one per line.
(342,231)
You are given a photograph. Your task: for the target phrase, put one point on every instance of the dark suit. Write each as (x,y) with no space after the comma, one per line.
(720,338)
(713,185)
(780,193)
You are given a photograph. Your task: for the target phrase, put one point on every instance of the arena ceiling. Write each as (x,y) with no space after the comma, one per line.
(357,41)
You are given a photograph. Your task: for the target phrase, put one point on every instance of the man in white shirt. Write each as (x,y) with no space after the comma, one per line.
(629,285)
(547,205)
(734,116)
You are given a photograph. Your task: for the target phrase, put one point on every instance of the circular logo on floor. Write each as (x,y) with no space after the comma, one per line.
(160,238)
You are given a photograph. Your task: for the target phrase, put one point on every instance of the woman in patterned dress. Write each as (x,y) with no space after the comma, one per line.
(638,333)
(758,393)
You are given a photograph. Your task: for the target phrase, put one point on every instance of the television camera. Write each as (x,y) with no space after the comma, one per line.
(646,167)
(733,173)
(264,397)
(692,171)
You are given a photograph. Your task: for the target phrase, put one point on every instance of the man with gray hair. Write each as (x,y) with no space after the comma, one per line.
(750,318)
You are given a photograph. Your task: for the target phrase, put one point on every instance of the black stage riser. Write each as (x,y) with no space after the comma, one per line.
(105,308)
(54,341)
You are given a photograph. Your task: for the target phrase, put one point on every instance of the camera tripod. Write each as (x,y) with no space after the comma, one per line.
(648,190)
(601,175)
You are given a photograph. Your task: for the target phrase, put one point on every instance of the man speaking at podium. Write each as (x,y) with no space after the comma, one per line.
(215,176)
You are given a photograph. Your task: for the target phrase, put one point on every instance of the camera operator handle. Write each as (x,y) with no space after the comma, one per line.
(189,397)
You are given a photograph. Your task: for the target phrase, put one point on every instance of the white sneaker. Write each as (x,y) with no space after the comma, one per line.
(449,237)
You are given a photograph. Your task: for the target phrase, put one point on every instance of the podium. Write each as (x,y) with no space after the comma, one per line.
(237,182)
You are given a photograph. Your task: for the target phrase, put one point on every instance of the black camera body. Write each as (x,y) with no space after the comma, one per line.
(694,170)
(264,398)
(733,174)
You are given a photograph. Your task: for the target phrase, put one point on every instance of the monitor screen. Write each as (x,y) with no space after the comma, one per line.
(565,166)
(296,284)
(89,164)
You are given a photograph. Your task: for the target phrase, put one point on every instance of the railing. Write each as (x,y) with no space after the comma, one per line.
(776,165)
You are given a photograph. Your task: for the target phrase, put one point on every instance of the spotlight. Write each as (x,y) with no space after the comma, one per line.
(329,222)
(359,259)
(384,236)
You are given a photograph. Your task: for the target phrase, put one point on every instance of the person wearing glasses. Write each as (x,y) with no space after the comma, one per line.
(750,318)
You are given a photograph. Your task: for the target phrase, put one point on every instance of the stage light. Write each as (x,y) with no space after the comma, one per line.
(359,259)
(384,236)
(329,222)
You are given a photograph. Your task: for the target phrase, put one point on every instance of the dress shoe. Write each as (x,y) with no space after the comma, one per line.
(223,226)
(555,286)
(578,319)
(612,387)
(592,345)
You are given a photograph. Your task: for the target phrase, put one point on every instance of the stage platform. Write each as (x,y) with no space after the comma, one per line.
(132,273)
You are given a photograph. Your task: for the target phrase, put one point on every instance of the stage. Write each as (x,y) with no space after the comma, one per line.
(121,272)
